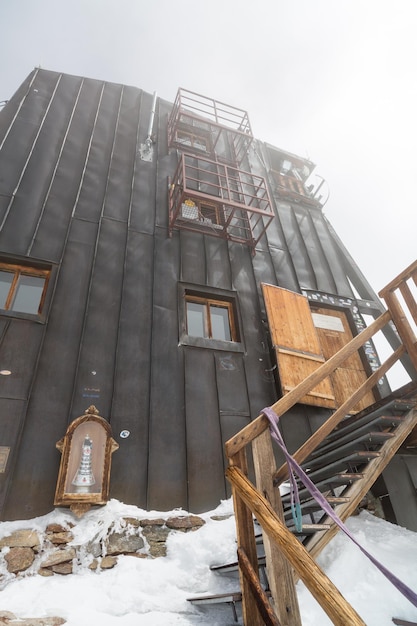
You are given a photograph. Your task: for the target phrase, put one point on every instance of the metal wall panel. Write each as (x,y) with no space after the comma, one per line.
(193,259)
(206,480)
(167,436)
(12,420)
(95,376)
(131,397)
(50,400)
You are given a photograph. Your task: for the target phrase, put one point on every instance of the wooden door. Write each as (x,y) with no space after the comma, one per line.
(334,332)
(296,343)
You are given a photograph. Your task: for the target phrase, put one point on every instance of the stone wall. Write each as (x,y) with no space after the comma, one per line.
(54,551)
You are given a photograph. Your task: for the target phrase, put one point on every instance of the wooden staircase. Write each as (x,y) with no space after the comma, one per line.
(343,458)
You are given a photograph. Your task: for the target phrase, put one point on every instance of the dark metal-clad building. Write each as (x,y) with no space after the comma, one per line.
(140,244)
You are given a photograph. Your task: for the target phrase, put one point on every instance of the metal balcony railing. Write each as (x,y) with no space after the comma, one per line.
(205,125)
(219,200)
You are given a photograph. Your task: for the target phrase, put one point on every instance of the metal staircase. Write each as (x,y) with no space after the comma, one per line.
(349,461)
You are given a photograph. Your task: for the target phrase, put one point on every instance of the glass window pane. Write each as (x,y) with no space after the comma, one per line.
(28,294)
(6,279)
(196,319)
(220,327)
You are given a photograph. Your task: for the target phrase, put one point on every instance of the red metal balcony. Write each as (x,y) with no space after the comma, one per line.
(219,200)
(205,126)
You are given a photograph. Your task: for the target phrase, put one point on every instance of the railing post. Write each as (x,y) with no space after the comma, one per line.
(245,540)
(279,571)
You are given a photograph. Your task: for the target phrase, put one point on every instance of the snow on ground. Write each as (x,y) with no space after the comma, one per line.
(154,592)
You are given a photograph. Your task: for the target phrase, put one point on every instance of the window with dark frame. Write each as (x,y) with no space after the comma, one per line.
(211,318)
(22,288)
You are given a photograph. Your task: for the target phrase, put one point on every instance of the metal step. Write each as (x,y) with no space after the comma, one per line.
(365,423)
(339,451)
(387,428)
(231,598)
(346,463)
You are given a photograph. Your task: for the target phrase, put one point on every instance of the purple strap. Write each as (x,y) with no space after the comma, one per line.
(318,496)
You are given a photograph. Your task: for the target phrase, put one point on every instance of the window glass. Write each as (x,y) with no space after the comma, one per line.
(196,323)
(220,326)
(28,294)
(6,279)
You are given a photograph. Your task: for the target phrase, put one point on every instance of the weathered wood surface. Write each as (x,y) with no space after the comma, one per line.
(259,595)
(252,430)
(328,596)
(246,540)
(280,573)
(321,433)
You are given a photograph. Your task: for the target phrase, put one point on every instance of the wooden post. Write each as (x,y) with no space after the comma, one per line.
(279,571)
(321,587)
(246,540)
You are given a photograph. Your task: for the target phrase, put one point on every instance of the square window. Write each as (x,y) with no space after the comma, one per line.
(22,288)
(210,318)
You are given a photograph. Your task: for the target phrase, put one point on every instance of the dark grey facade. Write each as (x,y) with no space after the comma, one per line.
(77,197)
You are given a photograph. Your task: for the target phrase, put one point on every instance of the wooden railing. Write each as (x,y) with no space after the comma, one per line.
(283,551)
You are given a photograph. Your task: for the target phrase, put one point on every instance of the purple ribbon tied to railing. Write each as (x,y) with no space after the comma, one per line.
(295,469)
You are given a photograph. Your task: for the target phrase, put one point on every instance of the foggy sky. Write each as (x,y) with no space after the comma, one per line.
(331,80)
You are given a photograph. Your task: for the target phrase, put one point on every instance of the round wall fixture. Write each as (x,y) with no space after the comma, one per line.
(5,372)
(125,434)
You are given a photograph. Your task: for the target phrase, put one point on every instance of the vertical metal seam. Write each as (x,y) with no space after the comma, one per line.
(82,334)
(19,108)
(9,206)
(87,156)
(63,143)
(151,368)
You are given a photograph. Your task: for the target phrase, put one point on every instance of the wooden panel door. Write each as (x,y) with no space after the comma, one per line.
(296,343)
(334,332)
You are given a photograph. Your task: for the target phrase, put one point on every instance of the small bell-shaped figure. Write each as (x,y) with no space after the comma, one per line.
(84,477)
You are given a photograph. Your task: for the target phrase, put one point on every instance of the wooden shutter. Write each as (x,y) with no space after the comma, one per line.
(296,343)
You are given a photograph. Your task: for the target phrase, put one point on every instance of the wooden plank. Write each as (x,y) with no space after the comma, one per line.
(246,540)
(403,326)
(321,433)
(280,575)
(321,587)
(296,343)
(253,429)
(409,300)
(260,597)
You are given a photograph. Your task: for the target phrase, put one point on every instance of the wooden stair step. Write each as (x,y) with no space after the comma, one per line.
(310,529)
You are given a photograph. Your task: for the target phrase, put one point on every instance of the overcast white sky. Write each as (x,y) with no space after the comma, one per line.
(332,80)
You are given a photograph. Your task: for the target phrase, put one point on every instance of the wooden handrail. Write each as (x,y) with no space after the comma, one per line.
(329,597)
(282,549)
(409,272)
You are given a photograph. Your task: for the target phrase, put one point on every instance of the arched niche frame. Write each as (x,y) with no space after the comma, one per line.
(84,472)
